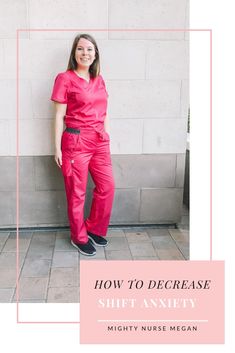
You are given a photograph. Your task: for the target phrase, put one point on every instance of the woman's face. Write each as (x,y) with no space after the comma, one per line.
(84,53)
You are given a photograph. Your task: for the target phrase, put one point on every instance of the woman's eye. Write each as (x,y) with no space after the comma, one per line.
(89,49)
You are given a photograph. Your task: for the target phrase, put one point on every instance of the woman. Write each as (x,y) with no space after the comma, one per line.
(80,98)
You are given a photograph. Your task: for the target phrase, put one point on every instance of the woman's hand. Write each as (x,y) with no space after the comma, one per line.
(58,158)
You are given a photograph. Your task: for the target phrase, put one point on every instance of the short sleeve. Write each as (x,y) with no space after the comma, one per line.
(60,89)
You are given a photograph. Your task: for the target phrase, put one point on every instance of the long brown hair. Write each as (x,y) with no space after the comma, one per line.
(94,69)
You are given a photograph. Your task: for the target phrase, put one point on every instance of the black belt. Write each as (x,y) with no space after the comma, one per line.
(73,131)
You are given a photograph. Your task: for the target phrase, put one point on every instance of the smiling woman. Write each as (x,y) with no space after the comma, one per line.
(85,58)
(80,98)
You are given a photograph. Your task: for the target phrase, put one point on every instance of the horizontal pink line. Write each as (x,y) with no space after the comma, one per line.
(48,322)
(114,30)
(163,320)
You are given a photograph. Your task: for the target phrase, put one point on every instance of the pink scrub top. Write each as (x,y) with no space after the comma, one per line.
(86,101)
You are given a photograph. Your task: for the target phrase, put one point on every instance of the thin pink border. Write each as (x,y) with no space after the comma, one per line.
(17,141)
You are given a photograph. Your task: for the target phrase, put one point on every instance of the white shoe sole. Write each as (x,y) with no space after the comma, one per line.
(82,252)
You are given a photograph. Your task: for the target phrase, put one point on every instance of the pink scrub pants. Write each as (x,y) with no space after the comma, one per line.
(87,151)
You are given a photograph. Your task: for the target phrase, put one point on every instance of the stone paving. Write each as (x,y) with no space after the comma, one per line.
(49,264)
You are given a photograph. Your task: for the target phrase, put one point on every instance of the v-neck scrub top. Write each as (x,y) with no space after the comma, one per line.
(86,101)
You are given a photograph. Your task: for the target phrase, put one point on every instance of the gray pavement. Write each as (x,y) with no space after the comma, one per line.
(49,264)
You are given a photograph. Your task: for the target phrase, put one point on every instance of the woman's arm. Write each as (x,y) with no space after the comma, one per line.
(60,111)
(106,124)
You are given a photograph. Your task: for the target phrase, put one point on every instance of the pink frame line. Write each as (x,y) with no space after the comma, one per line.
(17,139)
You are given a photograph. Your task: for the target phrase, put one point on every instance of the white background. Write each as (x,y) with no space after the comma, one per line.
(218,15)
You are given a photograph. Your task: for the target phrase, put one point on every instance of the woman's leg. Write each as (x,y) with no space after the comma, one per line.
(100,168)
(75,161)
(75,186)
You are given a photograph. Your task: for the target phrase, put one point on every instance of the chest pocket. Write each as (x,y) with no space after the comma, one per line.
(79,98)
(74,95)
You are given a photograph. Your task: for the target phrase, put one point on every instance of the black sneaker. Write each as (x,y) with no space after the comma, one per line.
(97,240)
(85,249)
